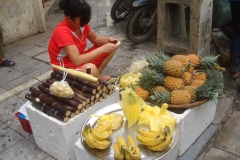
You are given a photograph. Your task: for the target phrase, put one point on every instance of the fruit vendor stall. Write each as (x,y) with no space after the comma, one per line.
(154,113)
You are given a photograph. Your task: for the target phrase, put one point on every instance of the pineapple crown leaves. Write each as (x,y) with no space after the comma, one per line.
(158,98)
(209,90)
(162,56)
(214,75)
(209,62)
(150,78)
(213,85)
(155,63)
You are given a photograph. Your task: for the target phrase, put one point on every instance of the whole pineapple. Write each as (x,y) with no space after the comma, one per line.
(192,91)
(179,97)
(200,76)
(187,77)
(194,60)
(182,58)
(173,68)
(171,83)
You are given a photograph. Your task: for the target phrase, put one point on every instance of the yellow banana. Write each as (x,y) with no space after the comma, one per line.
(130,143)
(134,155)
(126,155)
(104,128)
(149,134)
(150,141)
(101,135)
(118,155)
(92,142)
(161,146)
(120,142)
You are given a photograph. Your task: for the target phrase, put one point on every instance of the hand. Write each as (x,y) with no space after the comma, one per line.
(109,47)
(112,40)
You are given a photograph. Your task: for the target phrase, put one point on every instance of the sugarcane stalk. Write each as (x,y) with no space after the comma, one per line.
(79,100)
(77,73)
(87,100)
(105,84)
(54,104)
(46,108)
(90,96)
(69,101)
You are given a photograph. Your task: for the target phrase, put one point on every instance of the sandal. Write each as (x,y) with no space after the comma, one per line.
(233,75)
(7,63)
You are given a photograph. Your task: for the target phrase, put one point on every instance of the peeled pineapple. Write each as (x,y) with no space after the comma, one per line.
(114,119)
(131,105)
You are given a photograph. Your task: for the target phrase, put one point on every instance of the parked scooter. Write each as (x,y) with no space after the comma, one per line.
(142,22)
(120,9)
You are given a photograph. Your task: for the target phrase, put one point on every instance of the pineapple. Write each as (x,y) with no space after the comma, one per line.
(143,93)
(191,69)
(160,89)
(173,68)
(179,97)
(172,83)
(147,80)
(182,58)
(200,76)
(170,67)
(194,60)
(197,82)
(187,77)
(192,91)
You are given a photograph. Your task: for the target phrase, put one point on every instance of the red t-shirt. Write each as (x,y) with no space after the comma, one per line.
(62,36)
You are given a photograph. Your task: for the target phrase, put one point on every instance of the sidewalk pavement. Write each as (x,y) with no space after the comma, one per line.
(218,141)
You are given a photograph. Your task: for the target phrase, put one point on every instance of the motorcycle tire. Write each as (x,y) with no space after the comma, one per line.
(120,10)
(137,30)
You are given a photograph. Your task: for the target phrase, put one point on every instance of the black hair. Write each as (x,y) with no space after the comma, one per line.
(76,8)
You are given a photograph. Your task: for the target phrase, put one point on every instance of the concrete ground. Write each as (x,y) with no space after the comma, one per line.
(218,141)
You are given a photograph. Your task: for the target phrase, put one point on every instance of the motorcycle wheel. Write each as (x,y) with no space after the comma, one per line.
(137,30)
(120,10)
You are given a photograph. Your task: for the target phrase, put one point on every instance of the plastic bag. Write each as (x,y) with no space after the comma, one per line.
(61,88)
(137,65)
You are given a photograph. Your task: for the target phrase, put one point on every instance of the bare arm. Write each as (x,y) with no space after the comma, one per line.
(99,40)
(79,59)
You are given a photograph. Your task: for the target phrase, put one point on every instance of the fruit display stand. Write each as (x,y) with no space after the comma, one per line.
(85,152)
(192,122)
(57,138)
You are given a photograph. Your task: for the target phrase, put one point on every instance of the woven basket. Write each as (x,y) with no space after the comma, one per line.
(190,105)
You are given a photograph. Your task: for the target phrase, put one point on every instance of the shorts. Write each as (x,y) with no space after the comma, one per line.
(99,59)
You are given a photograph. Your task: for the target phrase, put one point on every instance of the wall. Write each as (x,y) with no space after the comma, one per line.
(21,18)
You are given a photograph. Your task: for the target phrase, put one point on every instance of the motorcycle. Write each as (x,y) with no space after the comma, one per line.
(121,9)
(142,22)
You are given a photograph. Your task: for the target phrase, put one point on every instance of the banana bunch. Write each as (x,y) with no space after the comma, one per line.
(155,141)
(97,137)
(128,150)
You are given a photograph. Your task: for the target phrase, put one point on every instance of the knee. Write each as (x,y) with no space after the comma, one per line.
(93,68)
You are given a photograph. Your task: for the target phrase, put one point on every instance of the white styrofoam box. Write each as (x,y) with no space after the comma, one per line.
(82,154)
(192,122)
(57,138)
